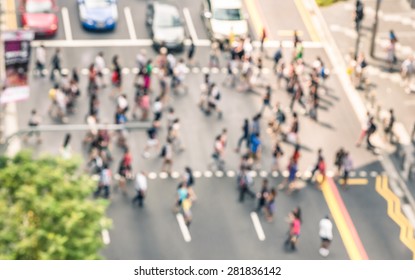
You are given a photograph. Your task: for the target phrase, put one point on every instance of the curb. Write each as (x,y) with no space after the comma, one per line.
(339,65)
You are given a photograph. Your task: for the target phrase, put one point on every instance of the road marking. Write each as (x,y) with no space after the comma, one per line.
(66,24)
(190,26)
(253,173)
(208,174)
(394,211)
(130,23)
(373,174)
(257,226)
(343,221)
(275,174)
(219,174)
(197,174)
(106,237)
(355,181)
(263,174)
(255,16)
(287,33)
(163,175)
(230,173)
(305,15)
(362,173)
(175,175)
(148,43)
(152,175)
(183,228)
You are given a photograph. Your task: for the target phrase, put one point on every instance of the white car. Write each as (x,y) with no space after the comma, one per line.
(223,17)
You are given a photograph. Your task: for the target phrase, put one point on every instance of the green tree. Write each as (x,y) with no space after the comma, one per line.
(46,211)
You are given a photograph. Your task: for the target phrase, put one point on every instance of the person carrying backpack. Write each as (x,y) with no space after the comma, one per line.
(244,184)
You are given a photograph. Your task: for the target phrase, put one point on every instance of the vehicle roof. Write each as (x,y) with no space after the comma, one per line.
(226,4)
(165,8)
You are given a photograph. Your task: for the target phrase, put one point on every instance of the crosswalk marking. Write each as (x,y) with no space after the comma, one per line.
(257,226)
(183,227)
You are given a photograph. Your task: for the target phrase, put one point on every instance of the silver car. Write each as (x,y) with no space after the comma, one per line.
(223,18)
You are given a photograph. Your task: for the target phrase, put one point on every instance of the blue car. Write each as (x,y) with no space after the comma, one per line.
(98,14)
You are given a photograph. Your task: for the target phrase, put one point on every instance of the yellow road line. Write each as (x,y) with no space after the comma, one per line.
(11,18)
(254,16)
(341,223)
(307,20)
(355,181)
(406,234)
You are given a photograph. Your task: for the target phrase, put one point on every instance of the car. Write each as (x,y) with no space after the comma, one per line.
(39,16)
(98,15)
(222,18)
(165,26)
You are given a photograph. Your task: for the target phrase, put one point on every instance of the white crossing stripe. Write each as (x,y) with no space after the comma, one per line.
(183,227)
(66,24)
(130,23)
(230,173)
(190,26)
(197,174)
(219,174)
(152,175)
(163,175)
(175,174)
(208,174)
(257,226)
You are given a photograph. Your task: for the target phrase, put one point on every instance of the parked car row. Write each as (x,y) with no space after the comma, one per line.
(163,20)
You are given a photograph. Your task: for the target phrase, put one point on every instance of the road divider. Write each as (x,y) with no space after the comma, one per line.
(183,228)
(344,223)
(394,211)
(355,181)
(130,23)
(257,226)
(66,24)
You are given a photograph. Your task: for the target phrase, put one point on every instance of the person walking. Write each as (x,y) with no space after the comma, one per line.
(244,184)
(104,184)
(270,205)
(389,126)
(152,140)
(370,131)
(34,122)
(167,155)
(263,195)
(66,149)
(141,188)
(124,170)
(295,221)
(266,100)
(217,155)
(99,64)
(316,166)
(339,161)
(277,153)
(244,137)
(56,65)
(365,126)
(347,167)
(191,53)
(40,60)
(326,235)
(116,76)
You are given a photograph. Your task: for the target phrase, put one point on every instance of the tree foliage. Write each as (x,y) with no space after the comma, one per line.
(45,210)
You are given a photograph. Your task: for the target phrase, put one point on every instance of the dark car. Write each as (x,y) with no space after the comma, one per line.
(165,26)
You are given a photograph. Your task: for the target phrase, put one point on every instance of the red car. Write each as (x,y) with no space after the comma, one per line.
(39,16)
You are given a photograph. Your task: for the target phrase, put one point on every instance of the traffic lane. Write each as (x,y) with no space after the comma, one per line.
(195,9)
(281,18)
(138,11)
(151,232)
(79,33)
(368,211)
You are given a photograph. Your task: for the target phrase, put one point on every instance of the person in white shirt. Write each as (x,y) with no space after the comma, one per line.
(326,235)
(122,103)
(99,67)
(40,60)
(141,188)
(179,74)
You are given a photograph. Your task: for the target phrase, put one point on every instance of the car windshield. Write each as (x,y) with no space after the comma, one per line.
(37,7)
(97,3)
(167,18)
(227,14)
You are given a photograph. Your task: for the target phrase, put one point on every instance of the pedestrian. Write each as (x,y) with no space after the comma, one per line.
(214,55)
(125,170)
(295,221)
(264,36)
(255,148)
(292,135)
(191,53)
(347,167)
(339,160)
(189,180)
(141,188)
(34,122)
(266,99)
(256,125)
(157,110)
(389,125)
(204,93)
(277,58)
(244,137)
(167,155)
(296,38)
(40,60)
(75,75)
(122,103)
(186,208)
(99,64)
(179,75)
(316,166)
(181,195)
(270,205)
(171,116)
(217,155)
(152,140)
(277,153)
(116,76)
(56,65)
(147,72)
(326,235)
(263,195)
(104,182)
(370,131)
(292,177)
(214,96)
(363,133)
(144,106)
(244,184)
(174,136)
(66,150)
(92,79)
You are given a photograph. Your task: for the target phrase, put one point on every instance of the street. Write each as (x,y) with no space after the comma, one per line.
(223,228)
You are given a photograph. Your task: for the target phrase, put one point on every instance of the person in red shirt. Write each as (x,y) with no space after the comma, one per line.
(125,169)
(294,218)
